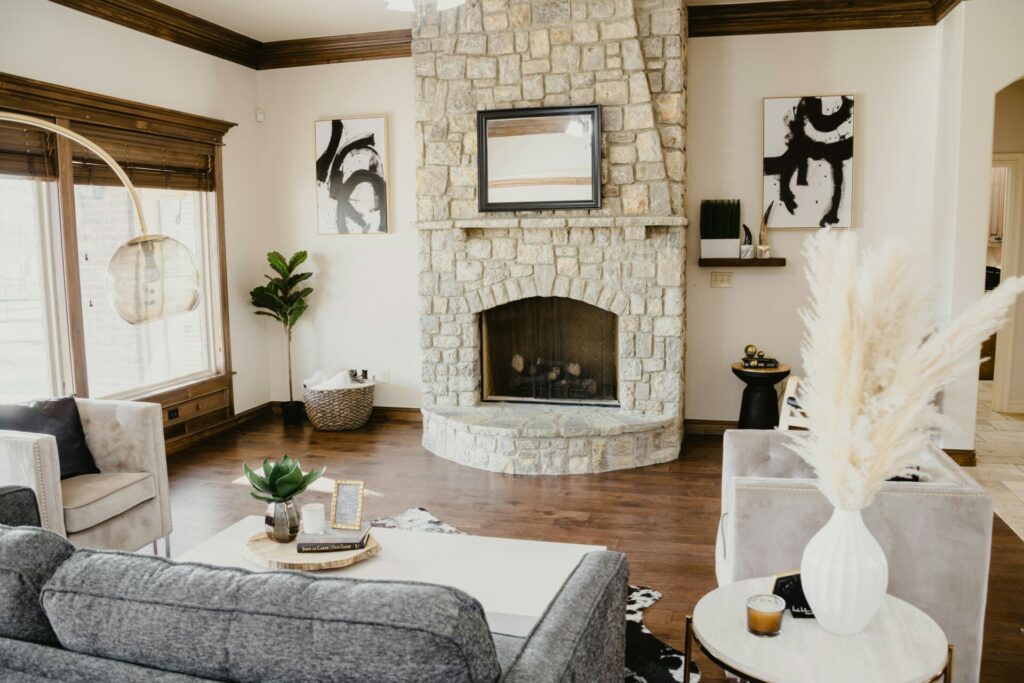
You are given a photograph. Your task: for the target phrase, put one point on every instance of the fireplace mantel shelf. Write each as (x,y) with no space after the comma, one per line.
(638,223)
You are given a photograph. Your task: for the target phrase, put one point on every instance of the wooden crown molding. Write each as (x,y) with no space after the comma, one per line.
(788,16)
(176,26)
(796,16)
(169,23)
(358,46)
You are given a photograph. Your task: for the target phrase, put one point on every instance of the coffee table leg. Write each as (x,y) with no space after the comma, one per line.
(949,666)
(686,649)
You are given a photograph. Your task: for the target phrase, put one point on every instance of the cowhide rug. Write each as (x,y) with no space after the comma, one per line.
(648,659)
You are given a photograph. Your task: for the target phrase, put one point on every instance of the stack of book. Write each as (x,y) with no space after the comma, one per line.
(333,540)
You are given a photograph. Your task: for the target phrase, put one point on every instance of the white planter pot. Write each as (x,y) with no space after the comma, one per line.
(729,248)
(844,574)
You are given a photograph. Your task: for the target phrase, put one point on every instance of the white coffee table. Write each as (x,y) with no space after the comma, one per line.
(514,580)
(902,644)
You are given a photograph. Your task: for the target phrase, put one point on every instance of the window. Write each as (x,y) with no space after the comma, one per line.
(124,359)
(30,365)
(63,214)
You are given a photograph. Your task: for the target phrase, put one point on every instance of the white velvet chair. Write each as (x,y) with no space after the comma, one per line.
(937,533)
(124,507)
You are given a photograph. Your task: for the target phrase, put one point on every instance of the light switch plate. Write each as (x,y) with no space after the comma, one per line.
(721,279)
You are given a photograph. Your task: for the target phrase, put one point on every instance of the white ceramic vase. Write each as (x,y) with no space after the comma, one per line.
(844,574)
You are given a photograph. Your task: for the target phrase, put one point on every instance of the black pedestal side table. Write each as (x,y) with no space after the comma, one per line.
(760,407)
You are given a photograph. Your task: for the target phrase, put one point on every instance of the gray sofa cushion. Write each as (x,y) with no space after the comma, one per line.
(22,662)
(234,625)
(18,506)
(28,558)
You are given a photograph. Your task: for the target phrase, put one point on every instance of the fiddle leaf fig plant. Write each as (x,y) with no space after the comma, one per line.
(281,481)
(282,299)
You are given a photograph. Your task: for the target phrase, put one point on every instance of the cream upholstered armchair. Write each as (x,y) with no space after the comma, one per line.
(124,507)
(936,533)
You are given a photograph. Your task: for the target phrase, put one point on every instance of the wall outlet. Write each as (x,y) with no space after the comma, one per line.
(721,279)
(381,375)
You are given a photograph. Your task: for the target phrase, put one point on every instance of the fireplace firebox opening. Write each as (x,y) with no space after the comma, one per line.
(549,350)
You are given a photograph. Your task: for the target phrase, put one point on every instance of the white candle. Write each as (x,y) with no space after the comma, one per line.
(313,518)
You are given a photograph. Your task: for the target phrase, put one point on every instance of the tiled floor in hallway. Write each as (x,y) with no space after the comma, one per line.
(999,442)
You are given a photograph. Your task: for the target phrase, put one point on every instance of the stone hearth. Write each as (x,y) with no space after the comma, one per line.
(626,258)
(545,439)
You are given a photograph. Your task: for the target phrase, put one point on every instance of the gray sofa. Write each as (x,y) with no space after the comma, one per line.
(936,533)
(85,615)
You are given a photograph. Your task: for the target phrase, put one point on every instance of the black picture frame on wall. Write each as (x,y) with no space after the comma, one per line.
(545,124)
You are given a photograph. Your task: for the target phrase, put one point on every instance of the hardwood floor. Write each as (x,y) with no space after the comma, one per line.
(664,517)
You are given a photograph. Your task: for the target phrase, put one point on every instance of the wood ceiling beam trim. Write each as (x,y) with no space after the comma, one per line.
(798,16)
(174,25)
(349,48)
(788,16)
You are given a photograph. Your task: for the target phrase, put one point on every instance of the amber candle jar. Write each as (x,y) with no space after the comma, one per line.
(764,615)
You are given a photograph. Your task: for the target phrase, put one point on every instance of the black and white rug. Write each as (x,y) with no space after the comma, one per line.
(648,659)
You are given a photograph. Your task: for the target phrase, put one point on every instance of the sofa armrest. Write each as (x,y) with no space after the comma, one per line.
(31,460)
(759,453)
(128,436)
(582,636)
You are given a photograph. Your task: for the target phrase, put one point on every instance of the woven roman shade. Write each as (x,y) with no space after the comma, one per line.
(27,152)
(150,160)
(157,147)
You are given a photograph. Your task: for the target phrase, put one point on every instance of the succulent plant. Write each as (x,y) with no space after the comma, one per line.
(281,481)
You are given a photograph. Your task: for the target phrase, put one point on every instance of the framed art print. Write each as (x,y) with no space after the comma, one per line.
(347,505)
(808,161)
(352,176)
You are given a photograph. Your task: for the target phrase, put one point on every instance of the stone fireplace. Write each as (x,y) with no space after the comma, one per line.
(553,341)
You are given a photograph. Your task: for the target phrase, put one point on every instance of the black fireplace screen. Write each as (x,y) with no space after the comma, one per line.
(549,349)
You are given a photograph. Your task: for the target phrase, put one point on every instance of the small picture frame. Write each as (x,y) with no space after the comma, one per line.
(347,505)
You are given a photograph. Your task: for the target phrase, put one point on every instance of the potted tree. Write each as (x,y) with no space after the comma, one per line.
(284,300)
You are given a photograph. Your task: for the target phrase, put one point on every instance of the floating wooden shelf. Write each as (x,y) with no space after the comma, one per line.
(776,261)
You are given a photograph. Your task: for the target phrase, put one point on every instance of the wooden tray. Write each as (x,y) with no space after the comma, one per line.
(263,551)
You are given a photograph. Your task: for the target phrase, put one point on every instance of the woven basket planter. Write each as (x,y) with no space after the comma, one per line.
(338,409)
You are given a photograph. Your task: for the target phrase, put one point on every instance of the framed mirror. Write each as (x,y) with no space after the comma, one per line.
(539,159)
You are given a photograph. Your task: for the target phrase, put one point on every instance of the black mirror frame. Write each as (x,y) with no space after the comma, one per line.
(482,117)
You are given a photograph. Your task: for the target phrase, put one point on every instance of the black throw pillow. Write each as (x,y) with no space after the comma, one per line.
(60,418)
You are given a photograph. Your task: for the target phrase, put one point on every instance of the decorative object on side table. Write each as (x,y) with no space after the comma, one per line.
(720,228)
(764,615)
(874,363)
(280,483)
(283,300)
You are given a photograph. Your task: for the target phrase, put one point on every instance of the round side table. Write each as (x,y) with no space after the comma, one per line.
(902,644)
(760,407)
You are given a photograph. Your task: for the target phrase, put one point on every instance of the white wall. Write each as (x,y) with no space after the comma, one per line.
(364,312)
(42,40)
(892,73)
(989,33)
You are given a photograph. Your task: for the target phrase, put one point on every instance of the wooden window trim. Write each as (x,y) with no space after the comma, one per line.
(68,107)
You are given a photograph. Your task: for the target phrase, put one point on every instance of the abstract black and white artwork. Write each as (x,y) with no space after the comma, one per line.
(808,161)
(352,176)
